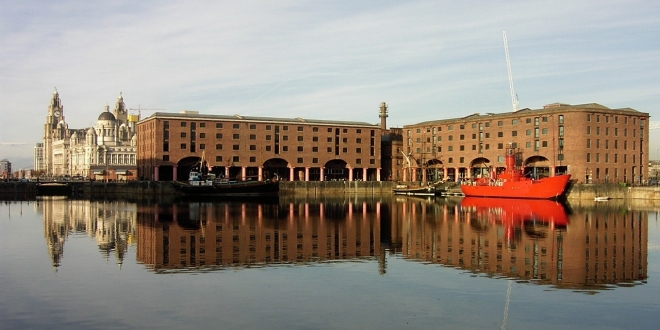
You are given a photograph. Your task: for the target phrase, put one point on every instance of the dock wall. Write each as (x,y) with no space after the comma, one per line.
(133,189)
(614,191)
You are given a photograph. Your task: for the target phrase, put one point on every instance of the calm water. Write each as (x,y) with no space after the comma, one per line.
(329,264)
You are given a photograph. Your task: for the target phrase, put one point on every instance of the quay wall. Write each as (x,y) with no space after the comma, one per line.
(135,189)
(314,188)
(613,191)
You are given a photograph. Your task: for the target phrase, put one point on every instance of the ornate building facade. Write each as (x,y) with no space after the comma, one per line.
(105,151)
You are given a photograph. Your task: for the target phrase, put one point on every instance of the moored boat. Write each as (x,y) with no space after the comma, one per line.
(232,188)
(429,190)
(512,183)
(207,184)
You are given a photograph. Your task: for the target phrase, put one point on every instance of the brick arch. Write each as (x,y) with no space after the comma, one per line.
(537,166)
(480,162)
(276,167)
(336,169)
(434,163)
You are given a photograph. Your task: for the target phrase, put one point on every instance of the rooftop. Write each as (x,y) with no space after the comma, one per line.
(192,115)
(547,109)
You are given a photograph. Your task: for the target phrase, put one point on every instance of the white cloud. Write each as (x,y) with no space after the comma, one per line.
(323,59)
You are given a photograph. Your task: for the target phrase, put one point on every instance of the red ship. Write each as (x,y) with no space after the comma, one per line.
(512,183)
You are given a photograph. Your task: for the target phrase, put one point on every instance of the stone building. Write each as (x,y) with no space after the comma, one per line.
(257,148)
(105,151)
(593,143)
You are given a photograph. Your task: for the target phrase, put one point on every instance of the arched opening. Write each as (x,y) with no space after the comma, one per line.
(185,165)
(276,167)
(435,170)
(336,170)
(481,168)
(537,167)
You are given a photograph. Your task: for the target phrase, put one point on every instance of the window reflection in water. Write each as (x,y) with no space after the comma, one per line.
(525,240)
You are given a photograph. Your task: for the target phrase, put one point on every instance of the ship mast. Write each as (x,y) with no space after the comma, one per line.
(514,97)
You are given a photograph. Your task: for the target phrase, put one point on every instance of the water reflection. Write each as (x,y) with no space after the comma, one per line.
(528,240)
(209,235)
(538,241)
(111,224)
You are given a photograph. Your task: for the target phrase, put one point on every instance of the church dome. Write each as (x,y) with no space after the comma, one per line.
(106,115)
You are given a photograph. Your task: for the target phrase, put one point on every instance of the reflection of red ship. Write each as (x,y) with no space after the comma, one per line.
(512,183)
(516,211)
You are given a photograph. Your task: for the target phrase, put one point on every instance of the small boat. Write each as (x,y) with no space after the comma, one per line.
(512,183)
(602,198)
(200,184)
(414,190)
(231,188)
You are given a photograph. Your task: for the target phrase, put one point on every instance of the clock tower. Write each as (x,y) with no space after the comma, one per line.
(55,115)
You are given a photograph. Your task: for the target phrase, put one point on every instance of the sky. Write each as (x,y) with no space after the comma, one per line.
(335,59)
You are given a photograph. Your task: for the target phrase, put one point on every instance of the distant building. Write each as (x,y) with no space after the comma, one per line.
(654,171)
(39,157)
(5,169)
(593,143)
(257,148)
(103,152)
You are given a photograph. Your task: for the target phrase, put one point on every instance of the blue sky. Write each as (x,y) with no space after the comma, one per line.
(320,59)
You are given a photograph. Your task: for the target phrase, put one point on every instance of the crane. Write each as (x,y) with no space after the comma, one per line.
(514,97)
(139,110)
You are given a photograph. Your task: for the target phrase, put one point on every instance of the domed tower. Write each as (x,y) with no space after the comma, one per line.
(120,112)
(90,138)
(106,128)
(124,134)
(74,138)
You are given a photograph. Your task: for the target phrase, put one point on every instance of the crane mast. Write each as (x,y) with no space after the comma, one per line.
(514,98)
(139,110)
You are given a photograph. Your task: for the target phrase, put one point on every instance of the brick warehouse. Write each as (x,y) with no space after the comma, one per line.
(593,143)
(257,148)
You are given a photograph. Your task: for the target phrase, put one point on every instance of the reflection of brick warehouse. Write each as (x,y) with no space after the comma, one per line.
(258,147)
(593,249)
(591,142)
(607,247)
(243,235)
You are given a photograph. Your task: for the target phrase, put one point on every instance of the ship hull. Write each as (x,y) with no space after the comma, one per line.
(414,191)
(546,188)
(239,189)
